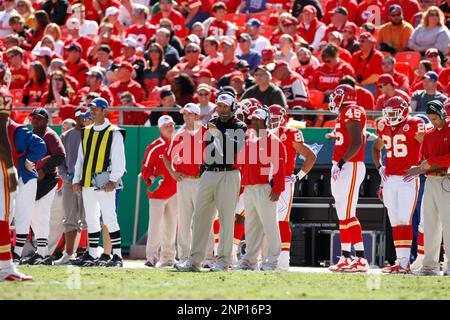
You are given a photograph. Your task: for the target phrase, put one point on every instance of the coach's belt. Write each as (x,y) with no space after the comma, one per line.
(218,169)
(192,177)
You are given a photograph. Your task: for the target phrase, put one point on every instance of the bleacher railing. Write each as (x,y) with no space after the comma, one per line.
(122,109)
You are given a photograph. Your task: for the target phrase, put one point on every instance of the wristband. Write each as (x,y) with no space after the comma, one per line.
(301,174)
(341,163)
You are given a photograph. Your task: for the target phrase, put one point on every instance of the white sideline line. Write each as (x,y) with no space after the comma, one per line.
(139,264)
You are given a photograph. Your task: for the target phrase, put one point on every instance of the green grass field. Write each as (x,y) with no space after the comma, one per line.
(100,283)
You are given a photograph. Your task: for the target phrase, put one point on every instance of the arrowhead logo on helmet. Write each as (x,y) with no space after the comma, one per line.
(278,116)
(395,111)
(342,95)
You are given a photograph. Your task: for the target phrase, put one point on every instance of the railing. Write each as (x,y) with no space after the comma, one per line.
(293,112)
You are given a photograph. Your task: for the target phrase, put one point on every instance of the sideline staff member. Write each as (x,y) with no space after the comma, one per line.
(436,199)
(219,186)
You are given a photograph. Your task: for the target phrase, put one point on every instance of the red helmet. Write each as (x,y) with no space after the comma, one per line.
(278,115)
(247,106)
(343,94)
(395,111)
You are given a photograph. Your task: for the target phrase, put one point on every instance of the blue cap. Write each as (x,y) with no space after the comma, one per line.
(253,22)
(395,7)
(431,75)
(423,117)
(86,115)
(99,103)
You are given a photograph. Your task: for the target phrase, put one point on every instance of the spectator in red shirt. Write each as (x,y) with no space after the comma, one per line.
(444,77)
(338,20)
(327,75)
(191,65)
(76,64)
(19,70)
(388,66)
(350,34)
(93,84)
(129,54)
(424,67)
(167,11)
(60,65)
(387,87)
(336,38)
(73,27)
(289,27)
(112,16)
(141,29)
(211,49)
(311,29)
(267,55)
(59,91)
(350,5)
(222,66)
(432,55)
(305,68)
(218,26)
(37,86)
(95,9)
(44,56)
(125,83)
(106,37)
(184,89)
(132,118)
(367,62)
(364,97)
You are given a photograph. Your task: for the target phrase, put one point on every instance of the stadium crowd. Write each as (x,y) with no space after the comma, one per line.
(150,54)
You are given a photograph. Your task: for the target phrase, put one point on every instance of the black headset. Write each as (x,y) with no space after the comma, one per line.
(266,109)
(437,107)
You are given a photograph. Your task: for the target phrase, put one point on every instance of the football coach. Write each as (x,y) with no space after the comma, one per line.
(219,186)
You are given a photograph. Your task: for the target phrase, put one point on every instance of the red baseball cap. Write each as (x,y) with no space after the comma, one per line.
(385,79)
(237,75)
(267,53)
(127,65)
(289,21)
(279,63)
(367,36)
(204,73)
(351,26)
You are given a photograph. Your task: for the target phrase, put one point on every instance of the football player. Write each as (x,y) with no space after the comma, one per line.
(400,134)
(8,183)
(347,174)
(293,141)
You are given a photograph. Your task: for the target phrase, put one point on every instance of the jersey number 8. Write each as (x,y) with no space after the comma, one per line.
(395,146)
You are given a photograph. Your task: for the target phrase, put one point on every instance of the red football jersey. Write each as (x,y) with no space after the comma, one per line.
(402,149)
(142,34)
(355,113)
(218,29)
(288,137)
(6,100)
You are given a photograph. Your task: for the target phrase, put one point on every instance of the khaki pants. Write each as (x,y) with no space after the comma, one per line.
(216,190)
(436,215)
(162,228)
(187,191)
(261,221)
(74,216)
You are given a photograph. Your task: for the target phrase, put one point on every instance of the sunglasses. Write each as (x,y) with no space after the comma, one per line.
(153,50)
(348,31)
(396,15)
(58,79)
(191,51)
(381,85)
(12,56)
(203,94)
(432,55)
(433,15)
(260,74)
(386,63)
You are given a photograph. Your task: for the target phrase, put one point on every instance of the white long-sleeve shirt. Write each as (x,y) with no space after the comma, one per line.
(117,156)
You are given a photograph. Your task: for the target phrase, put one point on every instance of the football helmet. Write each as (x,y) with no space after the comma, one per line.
(247,107)
(278,116)
(395,111)
(343,94)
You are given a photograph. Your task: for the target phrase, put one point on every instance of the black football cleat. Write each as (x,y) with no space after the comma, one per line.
(16,258)
(86,260)
(44,261)
(31,260)
(116,261)
(103,260)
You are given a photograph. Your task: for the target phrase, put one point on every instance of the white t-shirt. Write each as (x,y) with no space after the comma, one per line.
(5,29)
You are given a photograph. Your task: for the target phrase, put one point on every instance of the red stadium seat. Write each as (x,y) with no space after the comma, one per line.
(239,19)
(404,68)
(266,31)
(150,103)
(316,98)
(264,17)
(412,58)
(370,124)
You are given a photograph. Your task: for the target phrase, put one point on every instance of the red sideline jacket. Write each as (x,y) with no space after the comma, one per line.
(263,158)
(153,165)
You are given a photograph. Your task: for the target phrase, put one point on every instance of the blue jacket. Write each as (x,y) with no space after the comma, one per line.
(30,147)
